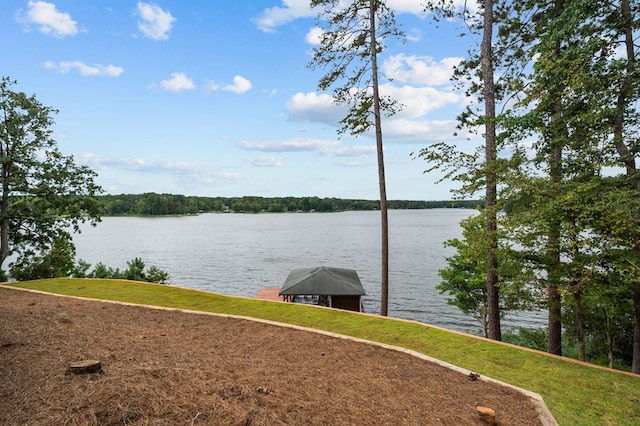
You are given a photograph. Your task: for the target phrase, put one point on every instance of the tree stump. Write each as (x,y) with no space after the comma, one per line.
(85,367)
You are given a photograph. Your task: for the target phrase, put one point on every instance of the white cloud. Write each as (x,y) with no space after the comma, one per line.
(407,6)
(420,70)
(473,6)
(315,107)
(266,161)
(155,23)
(314,36)
(418,101)
(354,164)
(326,147)
(290,145)
(290,10)
(212,86)
(135,164)
(84,69)
(161,167)
(178,81)
(240,85)
(130,175)
(410,125)
(352,151)
(414,34)
(421,131)
(49,19)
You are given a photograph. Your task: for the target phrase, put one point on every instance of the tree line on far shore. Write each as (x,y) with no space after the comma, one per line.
(153,204)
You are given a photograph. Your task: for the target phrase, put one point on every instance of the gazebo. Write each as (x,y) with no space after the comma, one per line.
(332,287)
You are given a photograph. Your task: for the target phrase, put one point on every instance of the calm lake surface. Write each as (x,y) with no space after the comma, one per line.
(238,254)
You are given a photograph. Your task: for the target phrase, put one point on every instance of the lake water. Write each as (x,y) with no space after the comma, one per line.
(238,254)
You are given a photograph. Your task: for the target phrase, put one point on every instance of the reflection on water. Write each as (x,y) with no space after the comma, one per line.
(237,254)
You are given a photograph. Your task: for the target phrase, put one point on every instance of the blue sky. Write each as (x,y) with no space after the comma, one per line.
(216,99)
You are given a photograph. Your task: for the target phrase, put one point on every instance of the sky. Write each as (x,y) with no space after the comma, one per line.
(215,98)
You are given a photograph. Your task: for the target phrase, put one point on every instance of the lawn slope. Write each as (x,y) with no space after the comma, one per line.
(575,393)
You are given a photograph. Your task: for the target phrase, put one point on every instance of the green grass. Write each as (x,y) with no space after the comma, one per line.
(576,394)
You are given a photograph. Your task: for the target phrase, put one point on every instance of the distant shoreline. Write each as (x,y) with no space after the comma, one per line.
(263,212)
(153,204)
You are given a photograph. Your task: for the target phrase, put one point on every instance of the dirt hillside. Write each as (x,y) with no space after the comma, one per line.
(174,368)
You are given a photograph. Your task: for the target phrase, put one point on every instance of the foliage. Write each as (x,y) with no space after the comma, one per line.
(156,275)
(151,204)
(353,35)
(464,279)
(482,169)
(45,194)
(608,324)
(56,262)
(136,271)
(579,114)
(528,338)
(567,169)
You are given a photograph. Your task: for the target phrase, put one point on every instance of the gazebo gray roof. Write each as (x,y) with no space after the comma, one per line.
(323,280)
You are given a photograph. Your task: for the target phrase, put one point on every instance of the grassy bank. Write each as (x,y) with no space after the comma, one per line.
(576,394)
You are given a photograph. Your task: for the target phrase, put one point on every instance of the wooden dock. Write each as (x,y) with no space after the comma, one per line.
(270,293)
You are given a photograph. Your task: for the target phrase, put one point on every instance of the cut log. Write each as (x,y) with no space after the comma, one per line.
(85,367)
(487,415)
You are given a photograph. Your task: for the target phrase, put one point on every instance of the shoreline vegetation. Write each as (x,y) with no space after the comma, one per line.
(153,204)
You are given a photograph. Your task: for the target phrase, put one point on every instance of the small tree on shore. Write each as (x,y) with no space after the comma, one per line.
(465,277)
(136,271)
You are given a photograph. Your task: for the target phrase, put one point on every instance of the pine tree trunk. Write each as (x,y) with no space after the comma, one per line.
(384,293)
(554,298)
(577,297)
(608,337)
(554,344)
(635,359)
(4,212)
(629,161)
(486,54)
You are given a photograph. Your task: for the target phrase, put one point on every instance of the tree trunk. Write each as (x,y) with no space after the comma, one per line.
(627,157)
(608,337)
(582,278)
(4,210)
(4,231)
(554,298)
(485,324)
(384,291)
(577,297)
(635,360)
(489,92)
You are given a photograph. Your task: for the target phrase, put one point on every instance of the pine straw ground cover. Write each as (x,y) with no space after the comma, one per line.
(174,368)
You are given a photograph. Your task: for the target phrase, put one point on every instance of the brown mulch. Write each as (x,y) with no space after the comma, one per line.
(163,367)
